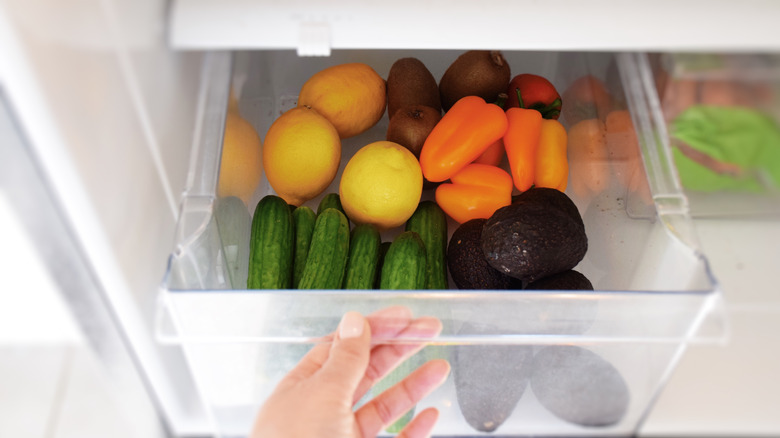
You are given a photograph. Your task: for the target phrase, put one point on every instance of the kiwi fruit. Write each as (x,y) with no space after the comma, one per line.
(409,82)
(480,73)
(411,125)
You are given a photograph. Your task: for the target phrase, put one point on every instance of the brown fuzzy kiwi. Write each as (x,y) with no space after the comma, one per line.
(411,125)
(480,73)
(411,83)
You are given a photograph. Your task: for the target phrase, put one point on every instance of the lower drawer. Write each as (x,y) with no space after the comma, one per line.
(524,362)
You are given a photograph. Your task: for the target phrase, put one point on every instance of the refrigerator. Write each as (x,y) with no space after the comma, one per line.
(118,111)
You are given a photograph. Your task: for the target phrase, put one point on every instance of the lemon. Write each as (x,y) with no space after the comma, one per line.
(241,167)
(381,184)
(351,96)
(301,155)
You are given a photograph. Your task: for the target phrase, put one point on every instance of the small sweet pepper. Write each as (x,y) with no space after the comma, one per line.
(521,141)
(534,92)
(460,137)
(552,166)
(476,192)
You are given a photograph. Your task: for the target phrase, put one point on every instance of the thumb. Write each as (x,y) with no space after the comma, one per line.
(349,354)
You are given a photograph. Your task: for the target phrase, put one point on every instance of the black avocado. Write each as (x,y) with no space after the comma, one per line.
(540,234)
(566,280)
(467,264)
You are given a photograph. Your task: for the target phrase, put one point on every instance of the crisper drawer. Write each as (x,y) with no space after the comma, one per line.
(524,362)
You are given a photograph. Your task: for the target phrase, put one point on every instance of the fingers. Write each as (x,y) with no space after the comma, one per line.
(385,357)
(387,322)
(421,426)
(391,404)
(348,356)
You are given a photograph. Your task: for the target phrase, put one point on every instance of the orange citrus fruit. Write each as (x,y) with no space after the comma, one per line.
(241,167)
(301,155)
(381,185)
(352,96)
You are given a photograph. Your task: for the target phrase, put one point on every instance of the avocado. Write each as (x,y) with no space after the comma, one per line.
(482,73)
(566,280)
(563,316)
(409,82)
(579,386)
(468,266)
(490,380)
(540,234)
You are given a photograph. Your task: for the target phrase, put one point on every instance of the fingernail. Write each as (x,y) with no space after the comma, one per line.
(351,325)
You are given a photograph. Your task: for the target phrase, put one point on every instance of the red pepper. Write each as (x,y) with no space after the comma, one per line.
(476,192)
(460,137)
(534,92)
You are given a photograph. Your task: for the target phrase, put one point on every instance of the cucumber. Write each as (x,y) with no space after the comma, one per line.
(404,267)
(331,200)
(405,263)
(363,259)
(383,247)
(328,252)
(304,219)
(430,222)
(271,245)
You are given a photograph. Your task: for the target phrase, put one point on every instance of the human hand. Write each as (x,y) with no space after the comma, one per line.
(316,398)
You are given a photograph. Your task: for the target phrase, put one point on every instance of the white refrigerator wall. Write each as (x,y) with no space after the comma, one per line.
(109,111)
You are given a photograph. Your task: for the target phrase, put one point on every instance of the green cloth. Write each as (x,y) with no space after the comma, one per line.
(736,135)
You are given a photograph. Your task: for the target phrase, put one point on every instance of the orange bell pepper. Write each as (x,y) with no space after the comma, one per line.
(476,192)
(552,166)
(460,137)
(521,141)
(493,154)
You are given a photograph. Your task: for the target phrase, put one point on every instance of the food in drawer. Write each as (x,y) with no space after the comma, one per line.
(541,242)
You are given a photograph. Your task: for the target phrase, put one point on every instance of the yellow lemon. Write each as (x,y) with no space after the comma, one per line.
(352,96)
(301,155)
(241,167)
(381,185)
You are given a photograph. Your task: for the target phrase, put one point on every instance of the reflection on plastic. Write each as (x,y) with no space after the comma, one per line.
(489,381)
(579,386)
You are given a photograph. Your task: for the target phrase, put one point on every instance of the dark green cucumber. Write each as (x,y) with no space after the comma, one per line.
(271,245)
(363,259)
(405,263)
(304,219)
(328,252)
(403,268)
(430,222)
(331,200)
(382,253)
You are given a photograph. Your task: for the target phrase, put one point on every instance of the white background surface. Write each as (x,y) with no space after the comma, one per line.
(732,390)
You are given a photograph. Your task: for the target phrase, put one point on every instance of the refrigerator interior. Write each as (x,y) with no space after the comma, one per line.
(653,295)
(139,68)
